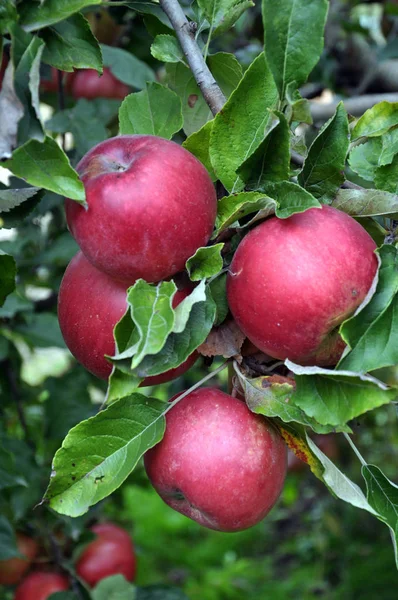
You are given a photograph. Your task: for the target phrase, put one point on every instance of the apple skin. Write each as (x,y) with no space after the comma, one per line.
(40,585)
(88,84)
(218,463)
(90,303)
(293,281)
(151,205)
(12,570)
(111,553)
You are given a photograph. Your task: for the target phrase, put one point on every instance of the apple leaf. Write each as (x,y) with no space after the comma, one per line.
(71,44)
(8,542)
(11,112)
(293,38)
(126,67)
(376,120)
(366,203)
(340,484)
(27,51)
(115,587)
(35,15)
(389,147)
(225,340)
(298,108)
(222,14)
(154,111)
(290,198)
(11,198)
(335,397)
(231,209)
(218,290)
(166,48)
(231,145)
(364,158)
(382,494)
(98,454)
(322,174)
(386,177)
(272,396)
(355,328)
(159,592)
(205,263)
(8,15)
(83,121)
(8,271)
(198,144)
(227,72)
(271,160)
(46,165)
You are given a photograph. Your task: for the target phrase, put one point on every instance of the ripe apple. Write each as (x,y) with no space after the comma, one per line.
(40,585)
(151,205)
(12,570)
(111,553)
(293,281)
(88,84)
(218,463)
(90,303)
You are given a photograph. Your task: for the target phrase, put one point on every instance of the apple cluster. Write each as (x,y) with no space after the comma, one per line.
(150,206)
(110,553)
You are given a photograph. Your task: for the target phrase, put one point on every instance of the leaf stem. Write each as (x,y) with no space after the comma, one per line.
(197,385)
(359,455)
(185,32)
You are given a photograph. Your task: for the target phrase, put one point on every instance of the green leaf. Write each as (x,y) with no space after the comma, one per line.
(382,494)
(151,8)
(98,454)
(340,484)
(336,397)
(83,121)
(71,44)
(293,38)
(166,48)
(114,588)
(237,133)
(8,15)
(298,108)
(366,203)
(46,165)
(205,263)
(237,206)
(218,290)
(290,198)
(8,542)
(222,14)
(36,16)
(41,329)
(389,146)
(198,143)
(271,161)
(376,120)
(160,592)
(154,111)
(355,331)
(386,177)
(8,271)
(10,477)
(323,169)
(20,205)
(364,158)
(126,67)
(272,399)
(227,72)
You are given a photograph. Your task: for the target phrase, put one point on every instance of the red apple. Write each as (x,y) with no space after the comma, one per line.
(151,205)
(111,553)
(40,585)
(51,85)
(90,303)
(218,463)
(12,570)
(88,84)
(293,281)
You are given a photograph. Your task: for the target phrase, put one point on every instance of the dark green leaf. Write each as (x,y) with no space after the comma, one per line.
(126,67)
(35,15)
(42,329)
(98,454)
(382,494)
(8,543)
(70,43)
(8,271)
(8,15)
(322,174)
(12,198)
(114,588)
(218,290)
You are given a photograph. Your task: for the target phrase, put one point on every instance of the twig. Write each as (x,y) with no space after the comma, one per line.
(354,106)
(185,32)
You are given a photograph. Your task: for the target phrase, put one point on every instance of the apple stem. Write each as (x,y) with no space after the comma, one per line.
(185,32)
(359,456)
(197,385)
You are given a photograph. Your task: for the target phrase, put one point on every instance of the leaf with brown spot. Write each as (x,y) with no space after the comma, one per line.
(226,340)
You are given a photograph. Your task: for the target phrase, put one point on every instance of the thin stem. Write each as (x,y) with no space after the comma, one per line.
(359,456)
(197,385)
(185,33)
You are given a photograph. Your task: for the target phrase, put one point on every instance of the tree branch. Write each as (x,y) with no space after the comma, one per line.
(354,106)
(185,32)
